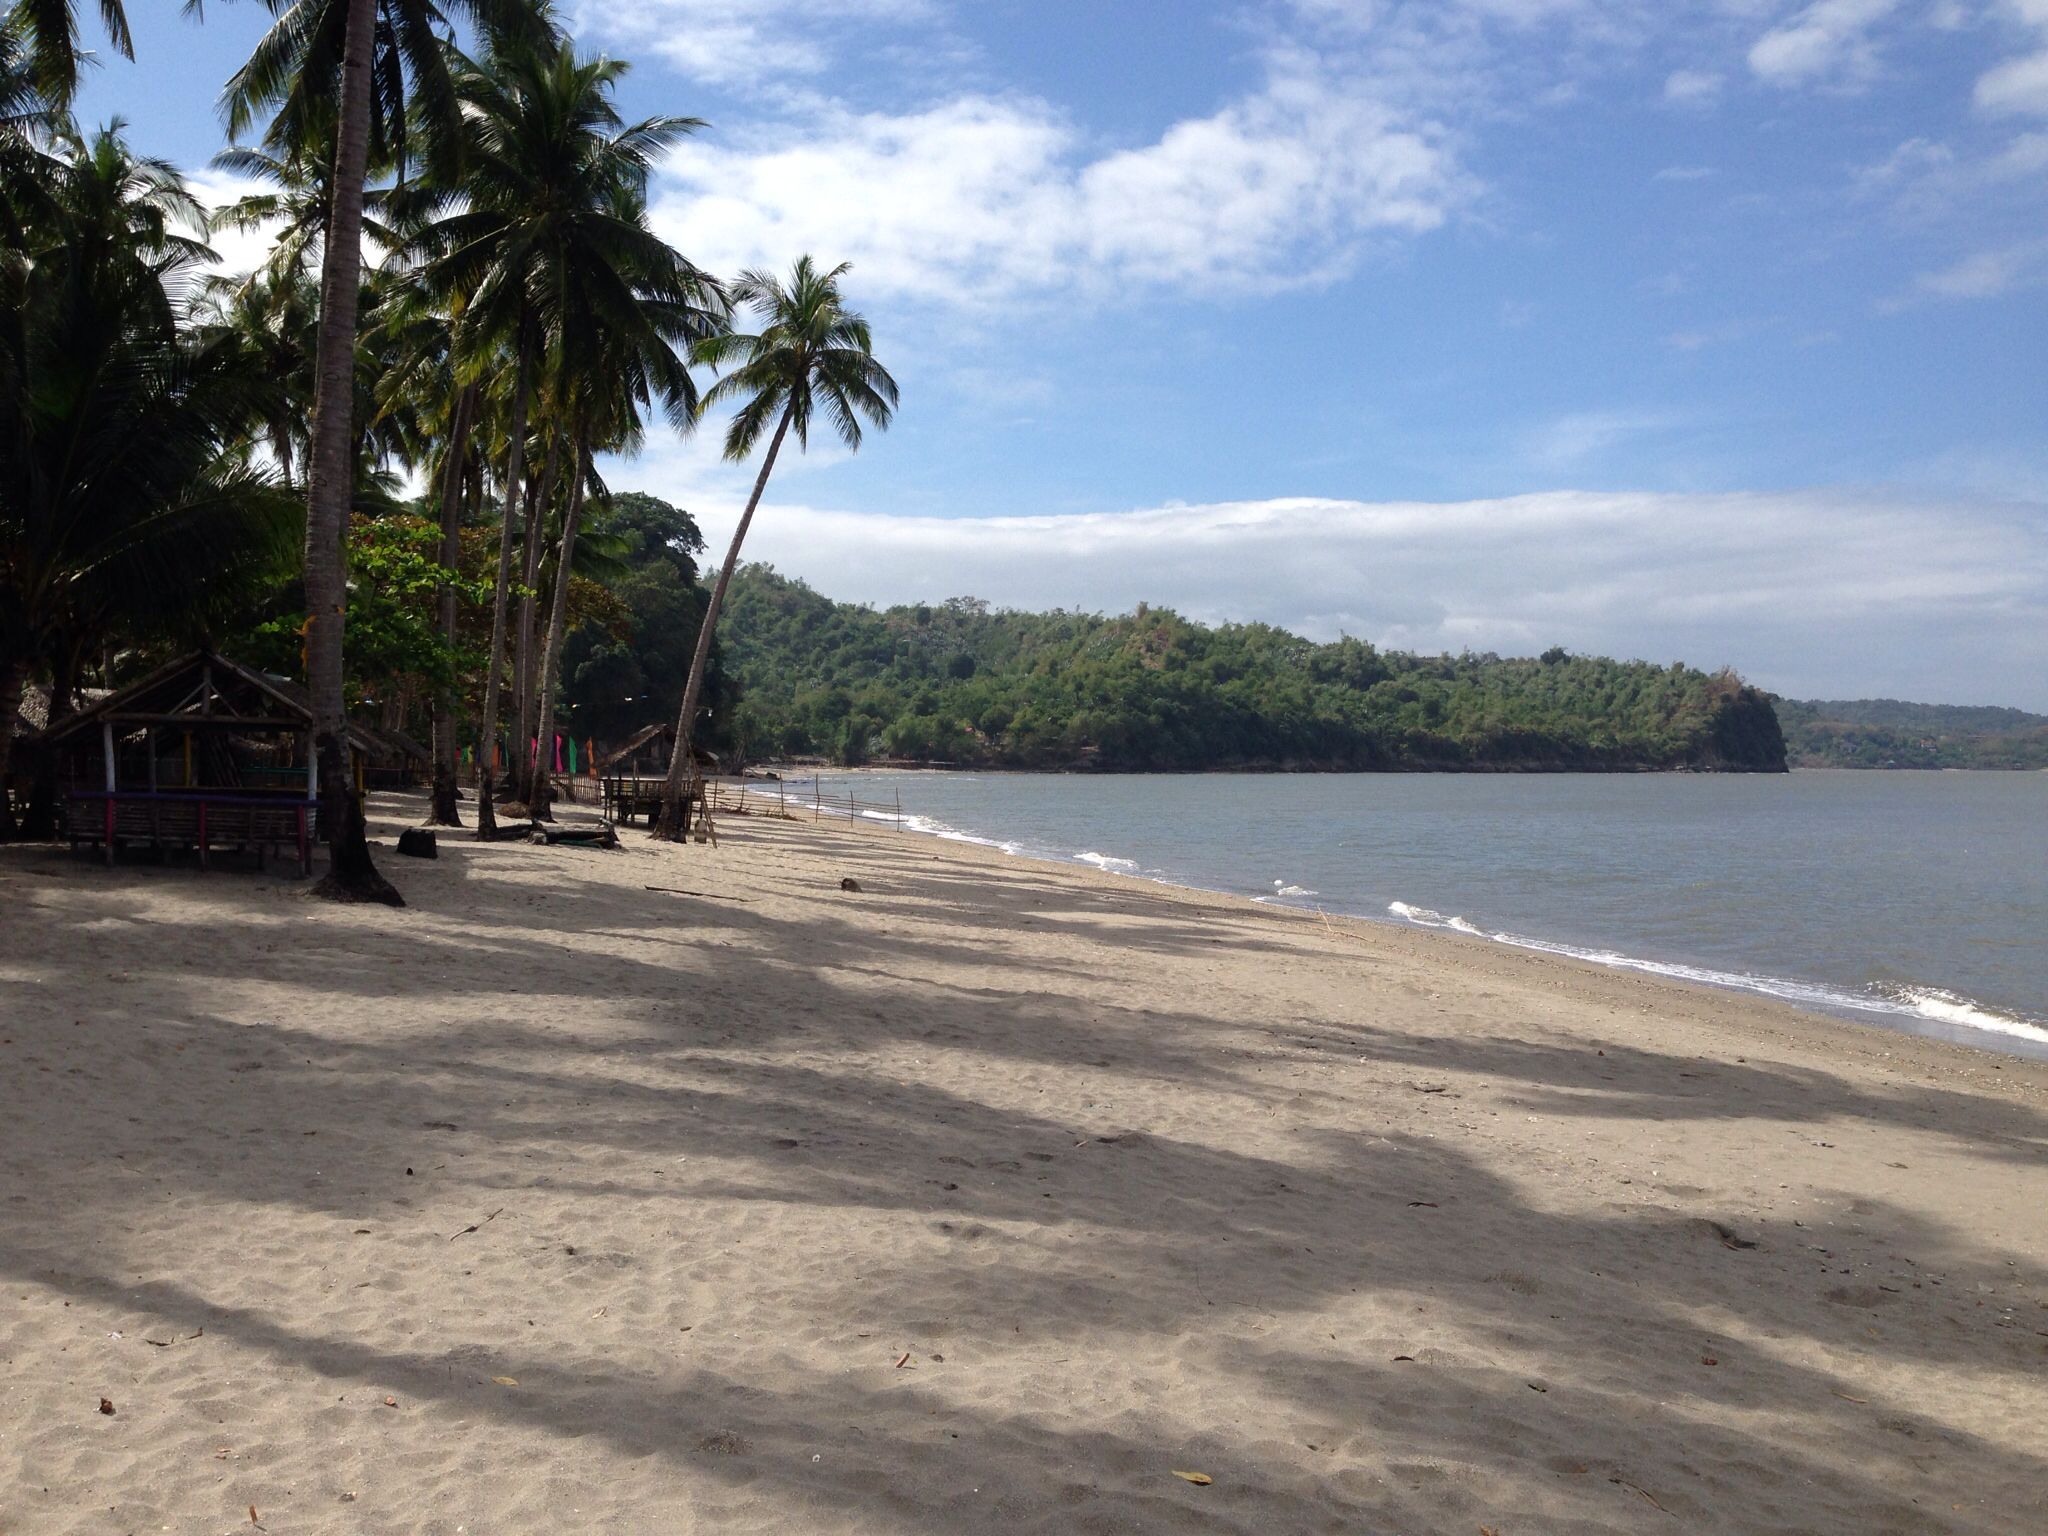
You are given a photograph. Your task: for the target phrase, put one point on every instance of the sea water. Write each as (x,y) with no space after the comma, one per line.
(1915,900)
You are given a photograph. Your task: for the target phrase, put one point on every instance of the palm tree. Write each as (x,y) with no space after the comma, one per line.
(811,354)
(541,246)
(345,68)
(126,505)
(422,383)
(50,31)
(625,347)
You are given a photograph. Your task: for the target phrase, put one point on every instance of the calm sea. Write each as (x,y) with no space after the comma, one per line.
(1913,900)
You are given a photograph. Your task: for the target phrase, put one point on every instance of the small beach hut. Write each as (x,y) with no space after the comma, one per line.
(203,754)
(633,774)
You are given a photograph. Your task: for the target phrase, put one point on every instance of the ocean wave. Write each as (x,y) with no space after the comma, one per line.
(1428,919)
(1929,1003)
(934,828)
(1109,862)
(1952,1008)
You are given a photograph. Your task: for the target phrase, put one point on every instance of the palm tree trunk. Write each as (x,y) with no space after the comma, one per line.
(669,825)
(529,600)
(446,811)
(515,464)
(331,476)
(13,680)
(558,624)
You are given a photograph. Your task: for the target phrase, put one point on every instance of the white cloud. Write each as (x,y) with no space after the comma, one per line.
(1828,39)
(1989,274)
(1570,441)
(742,41)
(2017,86)
(239,250)
(1818,592)
(983,198)
(1691,87)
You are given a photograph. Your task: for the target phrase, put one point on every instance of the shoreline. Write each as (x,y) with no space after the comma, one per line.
(681,1188)
(1923,1011)
(1464,948)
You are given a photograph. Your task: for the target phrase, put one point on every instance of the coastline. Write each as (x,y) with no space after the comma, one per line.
(990,1195)
(1898,1007)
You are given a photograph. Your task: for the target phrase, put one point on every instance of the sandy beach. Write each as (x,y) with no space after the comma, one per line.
(993,1196)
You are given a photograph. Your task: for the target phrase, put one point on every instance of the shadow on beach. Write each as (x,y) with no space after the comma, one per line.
(1030,1170)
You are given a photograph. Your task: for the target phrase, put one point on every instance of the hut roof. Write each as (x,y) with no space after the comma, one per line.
(665,733)
(203,688)
(34,712)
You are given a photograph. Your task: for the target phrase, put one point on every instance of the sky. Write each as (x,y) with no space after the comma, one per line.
(1709,330)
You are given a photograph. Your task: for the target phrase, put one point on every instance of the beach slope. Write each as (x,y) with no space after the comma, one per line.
(991,1196)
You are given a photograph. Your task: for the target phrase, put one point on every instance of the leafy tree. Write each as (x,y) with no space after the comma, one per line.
(1151,691)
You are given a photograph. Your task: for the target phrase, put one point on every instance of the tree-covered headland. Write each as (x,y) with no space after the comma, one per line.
(959,682)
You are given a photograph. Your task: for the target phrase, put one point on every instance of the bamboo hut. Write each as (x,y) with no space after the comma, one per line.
(633,775)
(203,754)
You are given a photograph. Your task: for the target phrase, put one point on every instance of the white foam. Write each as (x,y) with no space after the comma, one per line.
(1950,1008)
(1929,1003)
(1109,862)
(932,828)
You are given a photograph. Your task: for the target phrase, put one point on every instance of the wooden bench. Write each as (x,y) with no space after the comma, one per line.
(167,819)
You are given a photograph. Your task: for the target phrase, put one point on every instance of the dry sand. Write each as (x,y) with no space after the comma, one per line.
(985,1199)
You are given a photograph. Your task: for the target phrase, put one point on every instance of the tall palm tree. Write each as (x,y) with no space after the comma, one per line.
(812,355)
(626,347)
(126,506)
(274,317)
(424,383)
(541,246)
(345,68)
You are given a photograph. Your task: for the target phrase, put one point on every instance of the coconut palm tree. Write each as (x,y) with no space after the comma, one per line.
(423,382)
(625,347)
(812,355)
(126,504)
(543,244)
(50,39)
(341,71)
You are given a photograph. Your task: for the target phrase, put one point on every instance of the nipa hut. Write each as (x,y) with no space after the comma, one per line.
(202,754)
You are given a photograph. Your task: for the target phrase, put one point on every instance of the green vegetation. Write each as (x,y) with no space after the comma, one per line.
(959,683)
(1887,733)
(201,455)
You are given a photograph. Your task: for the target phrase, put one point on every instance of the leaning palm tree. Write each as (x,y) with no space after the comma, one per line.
(812,354)
(340,71)
(542,246)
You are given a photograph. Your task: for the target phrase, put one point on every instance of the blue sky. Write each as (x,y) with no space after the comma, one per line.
(1709,330)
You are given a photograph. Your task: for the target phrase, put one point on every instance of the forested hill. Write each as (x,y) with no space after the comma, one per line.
(958,683)
(1887,733)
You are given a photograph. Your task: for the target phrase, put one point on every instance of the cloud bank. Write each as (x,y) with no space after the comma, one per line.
(1812,593)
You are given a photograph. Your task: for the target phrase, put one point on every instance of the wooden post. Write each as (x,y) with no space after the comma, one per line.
(156,812)
(202,835)
(107,751)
